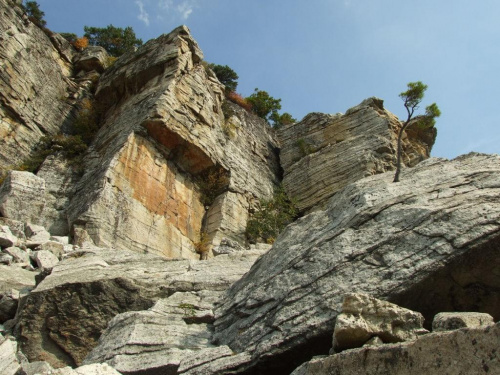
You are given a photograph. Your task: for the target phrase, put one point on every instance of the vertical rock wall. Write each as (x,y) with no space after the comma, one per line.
(35,84)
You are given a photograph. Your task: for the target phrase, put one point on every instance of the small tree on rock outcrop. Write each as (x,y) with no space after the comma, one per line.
(412,98)
(32,8)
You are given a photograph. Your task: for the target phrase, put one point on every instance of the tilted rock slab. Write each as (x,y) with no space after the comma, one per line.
(162,134)
(34,84)
(323,153)
(463,352)
(62,319)
(429,243)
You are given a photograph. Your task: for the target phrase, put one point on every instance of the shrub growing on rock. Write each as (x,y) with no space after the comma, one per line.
(226,76)
(32,9)
(271,218)
(115,40)
(264,105)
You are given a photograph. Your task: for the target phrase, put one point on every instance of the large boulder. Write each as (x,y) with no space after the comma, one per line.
(161,171)
(62,319)
(466,351)
(428,243)
(323,153)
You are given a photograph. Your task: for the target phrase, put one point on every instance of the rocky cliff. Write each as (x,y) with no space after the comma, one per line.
(99,261)
(323,153)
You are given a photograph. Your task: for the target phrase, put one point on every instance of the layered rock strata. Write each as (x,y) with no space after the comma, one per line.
(162,149)
(61,320)
(35,85)
(323,153)
(428,243)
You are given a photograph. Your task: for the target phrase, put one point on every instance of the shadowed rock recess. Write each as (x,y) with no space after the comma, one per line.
(101,246)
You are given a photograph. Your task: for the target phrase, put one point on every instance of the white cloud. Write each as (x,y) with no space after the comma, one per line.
(178,8)
(185,9)
(143,15)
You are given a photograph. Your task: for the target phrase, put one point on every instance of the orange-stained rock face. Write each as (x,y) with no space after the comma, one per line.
(169,199)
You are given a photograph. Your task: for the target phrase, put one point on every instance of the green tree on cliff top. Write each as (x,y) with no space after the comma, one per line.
(412,98)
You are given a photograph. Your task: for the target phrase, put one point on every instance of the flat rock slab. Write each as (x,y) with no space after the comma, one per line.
(462,352)
(428,243)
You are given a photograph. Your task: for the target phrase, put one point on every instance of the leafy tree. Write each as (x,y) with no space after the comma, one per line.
(32,8)
(115,40)
(412,98)
(264,105)
(226,76)
(283,119)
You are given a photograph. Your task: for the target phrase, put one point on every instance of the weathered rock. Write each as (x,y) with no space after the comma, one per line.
(9,300)
(428,243)
(158,339)
(34,86)
(7,239)
(9,364)
(16,227)
(22,197)
(92,58)
(36,235)
(448,321)
(147,171)
(364,317)
(18,255)
(88,289)
(54,247)
(323,153)
(60,179)
(45,259)
(15,278)
(227,246)
(61,239)
(462,352)
(94,369)
(6,259)
(176,328)
(36,368)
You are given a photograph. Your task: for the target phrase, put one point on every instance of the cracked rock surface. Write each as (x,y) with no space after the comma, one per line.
(429,243)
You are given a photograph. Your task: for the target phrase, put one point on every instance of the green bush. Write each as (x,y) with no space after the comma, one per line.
(71,147)
(263,104)
(32,9)
(226,76)
(271,218)
(304,147)
(283,119)
(115,40)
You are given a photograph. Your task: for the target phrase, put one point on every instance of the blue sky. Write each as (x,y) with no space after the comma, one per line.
(329,55)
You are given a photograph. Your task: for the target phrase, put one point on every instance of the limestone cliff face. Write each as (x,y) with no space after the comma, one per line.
(35,86)
(324,153)
(161,141)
